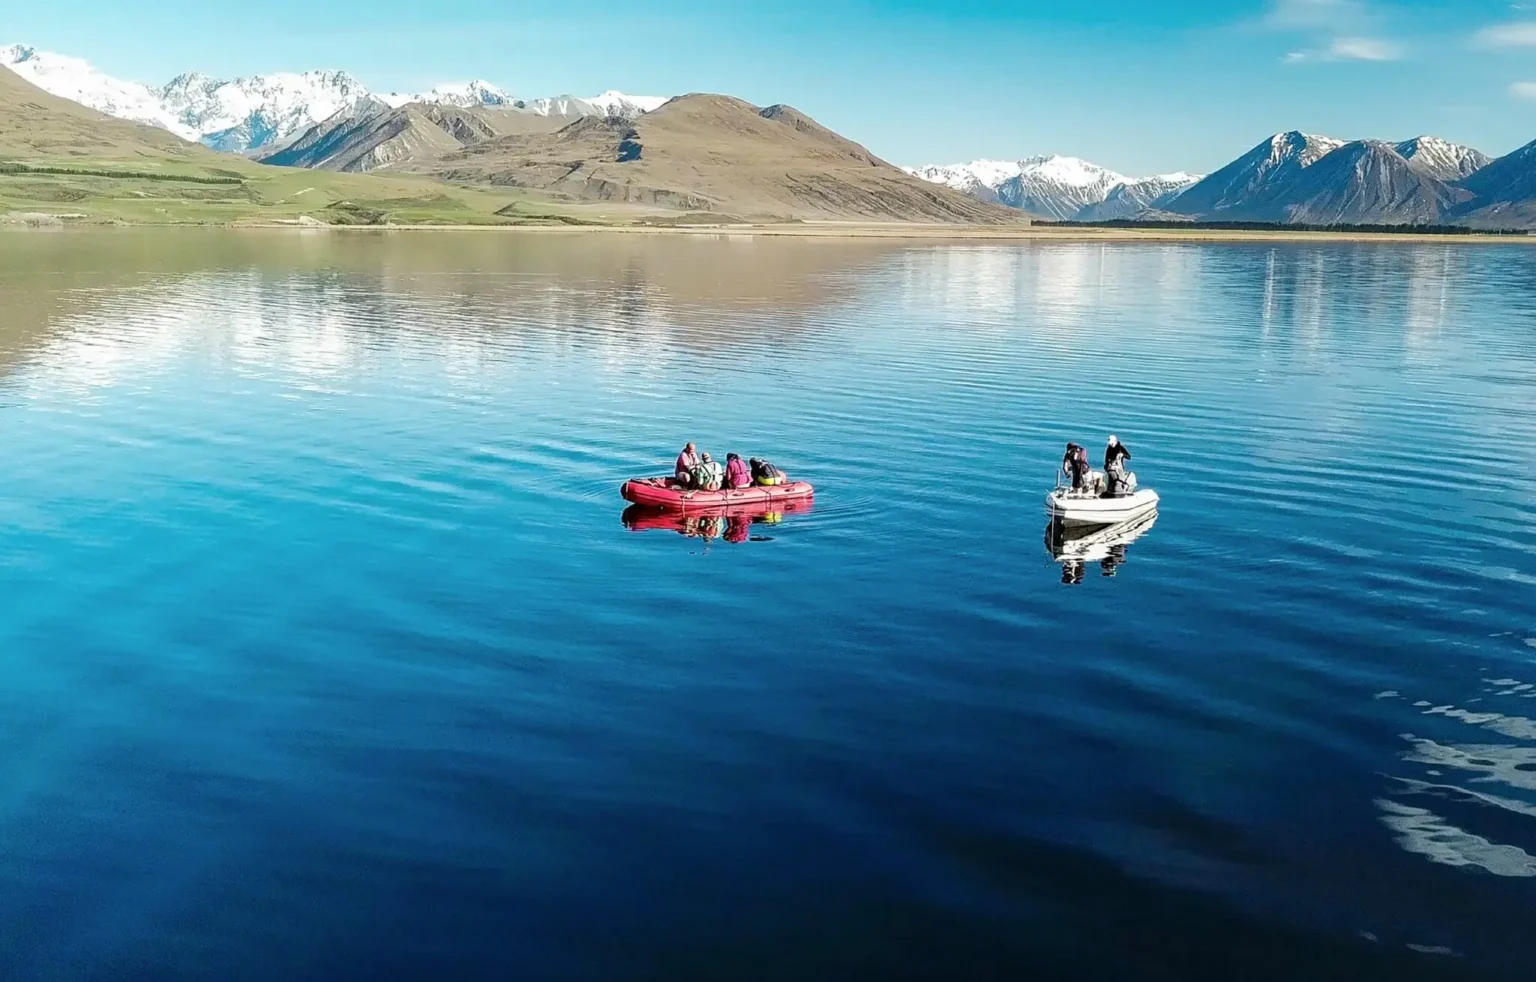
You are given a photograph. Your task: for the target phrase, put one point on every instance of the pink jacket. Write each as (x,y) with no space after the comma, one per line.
(738,474)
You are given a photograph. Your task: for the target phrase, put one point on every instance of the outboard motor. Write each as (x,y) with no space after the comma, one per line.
(1121,481)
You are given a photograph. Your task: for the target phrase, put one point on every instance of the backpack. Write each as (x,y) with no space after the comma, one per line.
(765,474)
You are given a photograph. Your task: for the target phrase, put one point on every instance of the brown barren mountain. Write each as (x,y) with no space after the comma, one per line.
(713,153)
(373,135)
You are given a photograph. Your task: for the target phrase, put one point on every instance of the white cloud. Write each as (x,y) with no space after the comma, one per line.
(1515,34)
(1364,49)
(1340,30)
(1523,90)
(1348,49)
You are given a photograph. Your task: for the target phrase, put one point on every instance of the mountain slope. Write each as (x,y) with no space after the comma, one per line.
(1244,190)
(1502,194)
(38,126)
(75,80)
(371,134)
(719,154)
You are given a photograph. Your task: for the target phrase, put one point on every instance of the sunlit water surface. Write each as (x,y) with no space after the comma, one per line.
(326,654)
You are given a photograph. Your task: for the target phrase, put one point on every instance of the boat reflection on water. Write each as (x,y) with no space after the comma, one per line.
(1075,546)
(730,524)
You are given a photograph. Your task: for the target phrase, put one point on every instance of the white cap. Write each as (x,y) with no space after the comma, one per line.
(1113,439)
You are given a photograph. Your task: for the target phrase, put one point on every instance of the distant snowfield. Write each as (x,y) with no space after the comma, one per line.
(267,110)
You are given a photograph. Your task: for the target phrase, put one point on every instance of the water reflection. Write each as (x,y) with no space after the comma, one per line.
(1470,804)
(740,524)
(669,293)
(1075,546)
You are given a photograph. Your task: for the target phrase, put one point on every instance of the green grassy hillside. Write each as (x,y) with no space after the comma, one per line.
(60,161)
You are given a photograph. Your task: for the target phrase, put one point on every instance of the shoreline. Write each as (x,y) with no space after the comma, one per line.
(842,230)
(958,233)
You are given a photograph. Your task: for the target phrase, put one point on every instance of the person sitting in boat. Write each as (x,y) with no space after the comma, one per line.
(737,474)
(709,475)
(764,474)
(686,462)
(1074,464)
(1115,456)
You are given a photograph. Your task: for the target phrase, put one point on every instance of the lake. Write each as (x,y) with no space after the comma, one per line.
(330,650)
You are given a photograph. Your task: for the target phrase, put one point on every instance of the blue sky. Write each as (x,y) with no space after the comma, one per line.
(1139,86)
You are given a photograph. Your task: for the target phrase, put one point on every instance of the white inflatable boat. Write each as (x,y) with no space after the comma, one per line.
(1090,508)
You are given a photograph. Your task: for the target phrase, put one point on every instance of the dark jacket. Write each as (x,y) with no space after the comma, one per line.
(1114,453)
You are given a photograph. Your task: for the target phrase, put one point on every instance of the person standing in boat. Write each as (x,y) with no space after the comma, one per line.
(1075,465)
(1115,456)
(686,462)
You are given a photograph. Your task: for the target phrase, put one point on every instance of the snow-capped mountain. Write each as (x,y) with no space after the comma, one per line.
(614,103)
(466,95)
(265,111)
(1366,181)
(260,110)
(608,104)
(78,81)
(1298,178)
(979,178)
(1442,159)
(1134,197)
(1249,182)
(1054,186)
(1058,187)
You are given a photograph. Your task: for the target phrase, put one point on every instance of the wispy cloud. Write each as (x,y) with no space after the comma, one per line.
(1319,15)
(1515,34)
(1338,30)
(1348,49)
(1523,90)
(1365,49)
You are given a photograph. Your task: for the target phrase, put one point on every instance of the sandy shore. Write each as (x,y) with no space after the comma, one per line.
(1033,233)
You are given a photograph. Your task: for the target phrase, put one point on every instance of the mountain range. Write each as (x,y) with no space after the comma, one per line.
(711,153)
(262,112)
(1291,178)
(695,157)
(1057,187)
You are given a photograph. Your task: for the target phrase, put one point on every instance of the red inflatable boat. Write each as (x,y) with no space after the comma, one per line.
(663,492)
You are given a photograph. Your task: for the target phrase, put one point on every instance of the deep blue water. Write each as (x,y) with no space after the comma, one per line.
(326,654)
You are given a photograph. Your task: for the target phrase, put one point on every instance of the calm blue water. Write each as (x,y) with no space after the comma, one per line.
(326,654)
